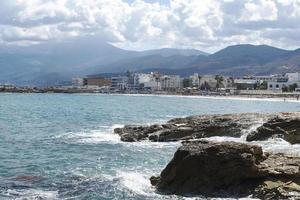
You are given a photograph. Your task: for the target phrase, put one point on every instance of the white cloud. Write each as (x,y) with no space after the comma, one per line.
(260,10)
(203,24)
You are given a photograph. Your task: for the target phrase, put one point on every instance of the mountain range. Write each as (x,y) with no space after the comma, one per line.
(56,63)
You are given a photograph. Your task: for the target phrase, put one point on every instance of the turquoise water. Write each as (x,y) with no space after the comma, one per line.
(60,146)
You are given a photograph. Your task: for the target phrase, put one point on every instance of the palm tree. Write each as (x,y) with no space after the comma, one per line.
(219,80)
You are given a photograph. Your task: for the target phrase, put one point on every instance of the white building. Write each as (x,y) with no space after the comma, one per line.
(209,79)
(279,81)
(147,81)
(119,83)
(152,85)
(171,82)
(246,84)
(77,81)
(195,80)
(293,77)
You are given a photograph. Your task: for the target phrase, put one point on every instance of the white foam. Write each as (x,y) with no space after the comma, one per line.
(274,145)
(104,135)
(150,145)
(136,182)
(279,146)
(139,183)
(31,194)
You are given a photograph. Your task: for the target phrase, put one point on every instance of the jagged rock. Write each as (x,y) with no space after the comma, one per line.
(284,125)
(136,133)
(229,169)
(274,189)
(191,128)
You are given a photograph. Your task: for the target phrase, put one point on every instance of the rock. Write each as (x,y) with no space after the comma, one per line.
(136,133)
(191,128)
(277,189)
(229,169)
(284,125)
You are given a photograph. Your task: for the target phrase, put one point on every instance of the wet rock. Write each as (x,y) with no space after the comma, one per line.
(191,128)
(277,189)
(284,125)
(229,169)
(136,133)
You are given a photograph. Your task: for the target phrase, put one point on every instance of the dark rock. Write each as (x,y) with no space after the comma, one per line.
(228,169)
(154,180)
(284,125)
(136,133)
(191,128)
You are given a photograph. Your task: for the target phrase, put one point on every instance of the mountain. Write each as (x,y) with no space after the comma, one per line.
(166,52)
(238,60)
(36,64)
(149,62)
(259,54)
(56,62)
(234,60)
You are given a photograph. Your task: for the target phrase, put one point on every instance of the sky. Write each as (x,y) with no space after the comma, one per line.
(207,25)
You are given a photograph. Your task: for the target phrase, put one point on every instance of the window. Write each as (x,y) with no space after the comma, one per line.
(271,86)
(277,86)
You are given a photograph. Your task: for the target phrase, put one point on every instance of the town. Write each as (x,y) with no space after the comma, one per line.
(286,85)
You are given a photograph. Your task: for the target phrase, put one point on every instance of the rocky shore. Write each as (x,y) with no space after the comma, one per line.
(229,169)
(225,169)
(282,125)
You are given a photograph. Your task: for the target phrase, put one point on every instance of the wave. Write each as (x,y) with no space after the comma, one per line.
(104,135)
(136,182)
(140,185)
(21,194)
(272,145)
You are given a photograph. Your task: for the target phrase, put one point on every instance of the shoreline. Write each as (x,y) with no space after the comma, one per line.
(274,98)
(230,97)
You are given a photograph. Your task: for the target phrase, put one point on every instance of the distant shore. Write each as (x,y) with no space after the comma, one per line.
(228,97)
(288,97)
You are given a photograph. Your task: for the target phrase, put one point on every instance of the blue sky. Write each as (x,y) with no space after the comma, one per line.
(207,25)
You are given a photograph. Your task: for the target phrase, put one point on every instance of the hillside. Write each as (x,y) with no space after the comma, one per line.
(56,63)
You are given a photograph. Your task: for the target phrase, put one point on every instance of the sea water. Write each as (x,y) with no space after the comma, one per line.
(62,146)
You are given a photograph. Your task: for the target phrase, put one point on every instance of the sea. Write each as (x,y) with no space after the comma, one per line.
(62,146)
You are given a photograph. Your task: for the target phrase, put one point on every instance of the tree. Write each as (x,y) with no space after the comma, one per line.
(263,86)
(285,88)
(187,82)
(219,80)
(293,87)
(205,86)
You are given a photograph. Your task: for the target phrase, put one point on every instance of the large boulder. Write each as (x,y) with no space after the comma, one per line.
(229,169)
(284,125)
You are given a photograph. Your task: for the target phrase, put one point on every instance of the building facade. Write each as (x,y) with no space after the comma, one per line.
(97,81)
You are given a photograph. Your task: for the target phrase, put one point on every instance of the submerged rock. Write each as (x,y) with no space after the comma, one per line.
(229,169)
(283,125)
(191,128)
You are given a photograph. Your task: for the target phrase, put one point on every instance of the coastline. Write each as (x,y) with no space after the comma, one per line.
(274,98)
(221,97)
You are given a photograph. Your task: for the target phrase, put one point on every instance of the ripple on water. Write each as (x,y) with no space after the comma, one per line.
(24,194)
